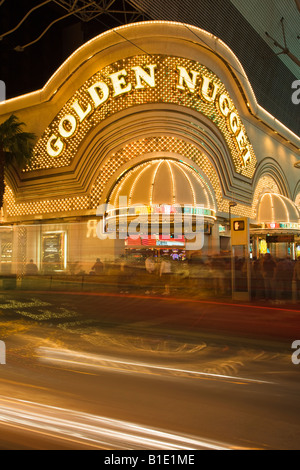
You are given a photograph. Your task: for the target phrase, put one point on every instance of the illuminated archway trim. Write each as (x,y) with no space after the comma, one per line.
(269,167)
(297,200)
(153,182)
(178,125)
(173,183)
(265,185)
(296,193)
(190,184)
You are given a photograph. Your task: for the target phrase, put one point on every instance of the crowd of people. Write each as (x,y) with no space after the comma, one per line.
(271,279)
(275,279)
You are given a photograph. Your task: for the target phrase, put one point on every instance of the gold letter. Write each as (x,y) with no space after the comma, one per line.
(184,77)
(247,157)
(224,105)
(72,124)
(241,140)
(94,94)
(234,123)
(140,75)
(119,83)
(55,149)
(80,112)
(209,89)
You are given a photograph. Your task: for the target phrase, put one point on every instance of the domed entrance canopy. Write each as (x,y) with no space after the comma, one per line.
(164,192)
(278,213)
(162,183)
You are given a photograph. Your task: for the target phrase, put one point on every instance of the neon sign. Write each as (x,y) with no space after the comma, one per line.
(145,80)
(98,95)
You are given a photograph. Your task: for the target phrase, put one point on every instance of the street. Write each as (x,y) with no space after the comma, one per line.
(96,371)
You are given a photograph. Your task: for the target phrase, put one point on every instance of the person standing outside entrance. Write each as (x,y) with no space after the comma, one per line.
(166,274)
(98,267)
(297,277)
(269,268)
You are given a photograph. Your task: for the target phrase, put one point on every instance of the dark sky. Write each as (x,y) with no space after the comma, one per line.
(29,70)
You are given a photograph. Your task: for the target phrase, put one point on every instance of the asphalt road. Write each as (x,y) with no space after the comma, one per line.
(126,372)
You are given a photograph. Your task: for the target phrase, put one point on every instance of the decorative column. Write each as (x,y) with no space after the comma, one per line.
(21,251)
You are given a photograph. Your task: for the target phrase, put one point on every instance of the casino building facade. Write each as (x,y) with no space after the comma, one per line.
(142,120)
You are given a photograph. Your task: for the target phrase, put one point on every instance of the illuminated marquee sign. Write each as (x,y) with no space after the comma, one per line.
(144,80)
(98,95)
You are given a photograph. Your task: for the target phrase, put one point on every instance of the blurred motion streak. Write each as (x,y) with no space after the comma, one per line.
(95,431)
(76,360)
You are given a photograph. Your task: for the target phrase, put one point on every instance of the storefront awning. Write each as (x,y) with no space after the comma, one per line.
(162,184)
(277,213)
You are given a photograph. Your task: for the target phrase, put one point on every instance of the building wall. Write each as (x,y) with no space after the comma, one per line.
(40,109)
(133,125)
(223,18)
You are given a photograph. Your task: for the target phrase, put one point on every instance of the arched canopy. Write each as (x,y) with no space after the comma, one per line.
(277,212)
(163,182)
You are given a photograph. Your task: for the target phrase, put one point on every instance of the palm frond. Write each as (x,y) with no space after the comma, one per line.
(16,144)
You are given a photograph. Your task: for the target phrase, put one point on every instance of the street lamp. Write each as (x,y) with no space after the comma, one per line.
(231,205)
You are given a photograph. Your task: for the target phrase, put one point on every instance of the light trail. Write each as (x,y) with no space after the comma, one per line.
(75,359)
(251,306)
(81,428)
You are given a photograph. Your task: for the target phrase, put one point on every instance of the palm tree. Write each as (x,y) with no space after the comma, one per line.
(16,147)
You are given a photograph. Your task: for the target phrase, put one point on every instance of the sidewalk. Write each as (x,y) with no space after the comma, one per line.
(139,286)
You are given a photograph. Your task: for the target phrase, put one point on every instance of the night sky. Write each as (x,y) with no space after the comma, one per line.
(29,70)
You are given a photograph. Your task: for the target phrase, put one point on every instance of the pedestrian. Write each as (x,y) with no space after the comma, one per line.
(31,269)
(124,275)
(219,276)
(150,264)
(296,277)
(98,267)
(257,282)
(284,279)
(166,274)
(268,268)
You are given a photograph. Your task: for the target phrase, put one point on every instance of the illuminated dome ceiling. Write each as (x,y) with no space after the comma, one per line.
(163,182)
(277,209)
